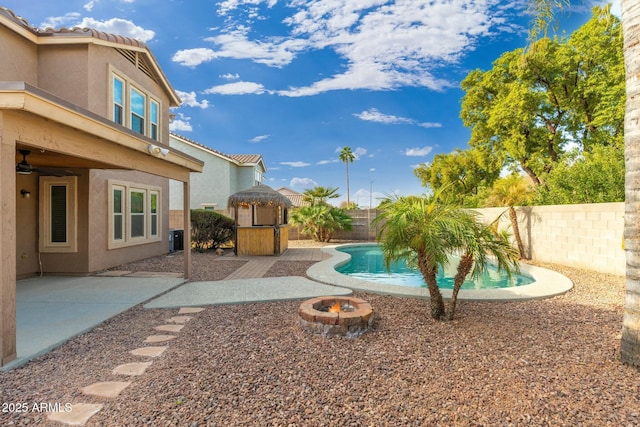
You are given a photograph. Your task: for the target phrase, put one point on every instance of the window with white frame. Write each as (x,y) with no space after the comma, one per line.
(134,214)
(133,107)
(58,214)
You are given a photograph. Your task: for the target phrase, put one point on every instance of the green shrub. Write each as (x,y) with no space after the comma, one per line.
(210,229)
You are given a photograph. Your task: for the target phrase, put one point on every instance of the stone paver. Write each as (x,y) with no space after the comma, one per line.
(132,369)
(159,338)
(169,328)
(148,351)
(190,310)
(108,389)
(77,416)
(179,319)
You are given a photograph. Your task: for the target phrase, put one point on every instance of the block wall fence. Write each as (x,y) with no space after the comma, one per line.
(587,236)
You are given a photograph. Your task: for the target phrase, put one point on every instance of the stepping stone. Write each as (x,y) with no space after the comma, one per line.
(169,328)
(148,351)
(179,319)
(159,338)
(77,416)
(190,310)
(109,389)
(136,368)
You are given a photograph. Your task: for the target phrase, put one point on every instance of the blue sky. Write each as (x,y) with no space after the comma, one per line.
(295,81)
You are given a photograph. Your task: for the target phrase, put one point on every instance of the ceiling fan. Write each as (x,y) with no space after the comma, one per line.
(24,168)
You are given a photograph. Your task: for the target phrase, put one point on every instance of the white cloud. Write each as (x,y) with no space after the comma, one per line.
(272,51)
(227,6)
(326,162)
(418,151)
(190,99)
(374,115)
(237,88)
(180,124)
(296,164)
(68,20)
(258,138)
(193,57)
(302,182)
(119,26)
(230,76)
(89,6)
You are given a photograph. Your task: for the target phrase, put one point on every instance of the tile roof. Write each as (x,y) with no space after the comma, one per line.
(239,158)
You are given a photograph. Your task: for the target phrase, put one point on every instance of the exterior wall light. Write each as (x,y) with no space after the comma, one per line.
(25,193)
(157,151)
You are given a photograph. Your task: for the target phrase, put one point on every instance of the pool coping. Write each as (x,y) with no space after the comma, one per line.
(547,283)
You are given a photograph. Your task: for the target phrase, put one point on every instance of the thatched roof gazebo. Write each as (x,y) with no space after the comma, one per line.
(261,216)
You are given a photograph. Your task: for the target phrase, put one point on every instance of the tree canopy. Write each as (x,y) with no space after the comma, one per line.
(537,105)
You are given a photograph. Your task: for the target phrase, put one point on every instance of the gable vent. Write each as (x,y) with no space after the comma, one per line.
(139,61)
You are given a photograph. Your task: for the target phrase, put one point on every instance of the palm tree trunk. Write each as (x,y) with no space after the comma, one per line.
(348,198)
(464,267)
(516,232)
(630,342)
(429,274)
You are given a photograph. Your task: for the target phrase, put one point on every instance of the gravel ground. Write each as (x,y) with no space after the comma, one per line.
(550,362)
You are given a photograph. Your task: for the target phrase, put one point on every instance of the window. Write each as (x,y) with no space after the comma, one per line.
(139,112)
(257,177)
(58,215)
(135,214)
(117,211)
(153,213)
(118,100)
(153,119)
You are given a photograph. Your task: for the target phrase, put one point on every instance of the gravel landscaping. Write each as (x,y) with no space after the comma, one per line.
(550,362)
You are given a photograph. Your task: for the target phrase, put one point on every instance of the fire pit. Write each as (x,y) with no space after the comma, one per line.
(347,316)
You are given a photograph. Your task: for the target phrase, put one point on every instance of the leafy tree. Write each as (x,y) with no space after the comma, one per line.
(513,190)
(462,174)
(347,156)
(210,229)
(427,231)
(534,102)
(595,176)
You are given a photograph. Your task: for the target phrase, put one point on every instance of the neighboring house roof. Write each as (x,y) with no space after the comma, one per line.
(134,50)
(295,197)
(238,159)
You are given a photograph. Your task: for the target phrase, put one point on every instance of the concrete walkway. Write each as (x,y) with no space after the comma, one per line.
(53,309)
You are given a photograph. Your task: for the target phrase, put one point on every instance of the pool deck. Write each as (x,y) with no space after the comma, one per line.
(547,283)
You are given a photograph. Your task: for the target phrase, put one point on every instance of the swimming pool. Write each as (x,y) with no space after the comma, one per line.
(367,263)
(546,283)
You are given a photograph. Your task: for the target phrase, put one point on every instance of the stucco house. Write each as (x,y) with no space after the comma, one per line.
(85,160)
(222,176)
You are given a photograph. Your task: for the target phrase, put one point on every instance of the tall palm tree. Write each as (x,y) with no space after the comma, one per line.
(630,342)
(347,156)
(511,191)
(427,231)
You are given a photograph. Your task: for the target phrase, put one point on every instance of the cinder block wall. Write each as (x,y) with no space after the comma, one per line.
(588,236)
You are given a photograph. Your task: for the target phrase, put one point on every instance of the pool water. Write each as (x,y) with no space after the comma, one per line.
(367,263)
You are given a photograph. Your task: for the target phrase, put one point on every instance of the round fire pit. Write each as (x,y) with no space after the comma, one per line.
(347,316)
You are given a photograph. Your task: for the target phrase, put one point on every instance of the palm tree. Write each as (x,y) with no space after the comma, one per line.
(514,190)
(319,195)
(630,342)
(347,156)
(427,231)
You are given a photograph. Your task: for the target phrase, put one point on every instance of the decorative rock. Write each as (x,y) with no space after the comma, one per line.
(77,416)
(109,389)
(148,351)
(136,368)
(159,338)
